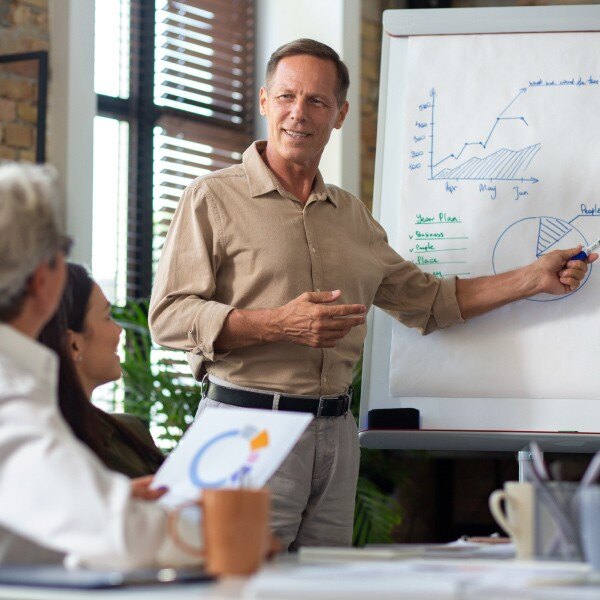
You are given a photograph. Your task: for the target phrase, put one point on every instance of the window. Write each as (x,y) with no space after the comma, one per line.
(112,48)
(110,192)
(174,81)
(175,87)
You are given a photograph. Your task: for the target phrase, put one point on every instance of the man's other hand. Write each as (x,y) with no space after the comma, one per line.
(311,319)
(559,275)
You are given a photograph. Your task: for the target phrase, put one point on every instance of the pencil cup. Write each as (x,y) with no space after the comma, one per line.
(557,535)
(589,512)
(542,519)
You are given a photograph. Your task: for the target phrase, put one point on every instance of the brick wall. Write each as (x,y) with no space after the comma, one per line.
(23,28)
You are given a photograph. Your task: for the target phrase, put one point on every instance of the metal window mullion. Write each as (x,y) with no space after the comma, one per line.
(113,107)
(143,120)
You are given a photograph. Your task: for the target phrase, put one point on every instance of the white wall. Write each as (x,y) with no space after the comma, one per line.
(71,110)
(337,24)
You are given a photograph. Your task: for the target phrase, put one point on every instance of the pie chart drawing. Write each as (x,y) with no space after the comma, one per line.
(527,239)
(227,458)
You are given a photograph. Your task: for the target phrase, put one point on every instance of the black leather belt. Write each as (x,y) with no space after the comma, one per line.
(324,406)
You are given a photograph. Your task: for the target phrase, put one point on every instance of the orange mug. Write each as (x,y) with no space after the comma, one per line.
(235,528)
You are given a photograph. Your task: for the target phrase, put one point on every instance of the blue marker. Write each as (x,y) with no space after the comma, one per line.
(587,251)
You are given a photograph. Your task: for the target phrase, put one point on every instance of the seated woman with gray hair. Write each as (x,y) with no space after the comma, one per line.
(57,500)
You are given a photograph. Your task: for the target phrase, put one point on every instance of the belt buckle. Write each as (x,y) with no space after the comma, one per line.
(322,399)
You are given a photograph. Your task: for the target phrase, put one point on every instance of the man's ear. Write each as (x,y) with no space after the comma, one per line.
(342,114)
(262,100)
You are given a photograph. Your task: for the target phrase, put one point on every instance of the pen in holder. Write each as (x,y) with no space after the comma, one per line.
(542,515)
(557,509)
(557,521)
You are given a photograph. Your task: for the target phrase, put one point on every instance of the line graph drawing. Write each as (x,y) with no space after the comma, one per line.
(505,164)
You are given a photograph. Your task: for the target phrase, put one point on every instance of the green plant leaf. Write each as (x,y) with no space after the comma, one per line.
(375,514)
(154,389)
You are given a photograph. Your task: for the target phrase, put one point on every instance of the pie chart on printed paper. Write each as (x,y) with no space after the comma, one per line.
(227,458)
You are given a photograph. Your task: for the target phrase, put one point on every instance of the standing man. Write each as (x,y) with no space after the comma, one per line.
(266,277)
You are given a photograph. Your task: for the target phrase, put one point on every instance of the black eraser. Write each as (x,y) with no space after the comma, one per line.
(394,418)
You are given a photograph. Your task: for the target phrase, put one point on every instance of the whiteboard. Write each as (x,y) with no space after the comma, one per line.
(476,114)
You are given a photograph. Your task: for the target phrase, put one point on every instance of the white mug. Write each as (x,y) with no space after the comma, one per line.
(517,517)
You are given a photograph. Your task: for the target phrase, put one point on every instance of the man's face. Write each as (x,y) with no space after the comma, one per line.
(301,109)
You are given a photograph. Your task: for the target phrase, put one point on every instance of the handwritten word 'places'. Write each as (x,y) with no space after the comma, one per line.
(437,243)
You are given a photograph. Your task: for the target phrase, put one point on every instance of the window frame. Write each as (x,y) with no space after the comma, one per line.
(143,115)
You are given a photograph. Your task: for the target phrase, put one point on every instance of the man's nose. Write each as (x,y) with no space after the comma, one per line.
(298,111)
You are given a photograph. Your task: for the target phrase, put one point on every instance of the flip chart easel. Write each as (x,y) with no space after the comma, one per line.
(494,420)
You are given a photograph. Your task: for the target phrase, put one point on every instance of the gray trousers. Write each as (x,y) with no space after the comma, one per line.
(314,488)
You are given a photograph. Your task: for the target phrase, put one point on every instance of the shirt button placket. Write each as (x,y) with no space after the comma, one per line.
(315,261)
(317,280)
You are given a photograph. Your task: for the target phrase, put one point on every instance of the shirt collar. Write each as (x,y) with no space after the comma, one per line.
(28,353)
(262,180)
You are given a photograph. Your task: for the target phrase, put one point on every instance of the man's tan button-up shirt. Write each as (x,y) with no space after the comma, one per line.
(239,240)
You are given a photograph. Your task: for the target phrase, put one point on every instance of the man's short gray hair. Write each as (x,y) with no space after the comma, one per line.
(30,232)
(318,50)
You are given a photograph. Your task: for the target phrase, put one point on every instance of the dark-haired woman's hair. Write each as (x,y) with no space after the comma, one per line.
(85,419)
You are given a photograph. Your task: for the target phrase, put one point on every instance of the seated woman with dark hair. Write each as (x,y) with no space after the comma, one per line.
(85,338)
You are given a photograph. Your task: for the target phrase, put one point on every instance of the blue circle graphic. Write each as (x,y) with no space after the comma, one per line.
(196,479)
(195,464)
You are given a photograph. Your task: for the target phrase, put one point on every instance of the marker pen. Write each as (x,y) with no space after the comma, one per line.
(587,251)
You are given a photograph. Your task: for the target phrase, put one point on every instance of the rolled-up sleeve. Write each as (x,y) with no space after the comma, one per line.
(183,314)
(414,298)
(445,311)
